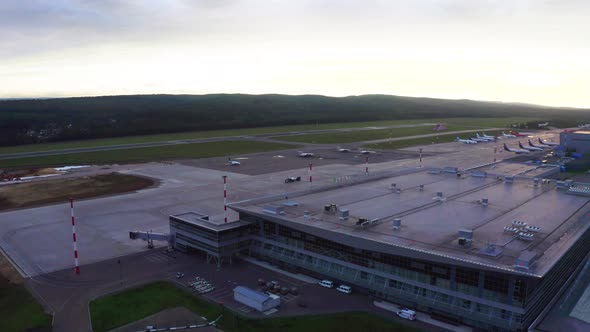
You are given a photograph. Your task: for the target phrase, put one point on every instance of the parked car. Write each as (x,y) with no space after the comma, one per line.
(261,282)
(407,314)
(344,289)
(179,275)
(327,283)
(292,179)
(284,291)
(294,291)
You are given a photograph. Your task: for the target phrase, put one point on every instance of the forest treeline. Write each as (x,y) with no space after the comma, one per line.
(41,120)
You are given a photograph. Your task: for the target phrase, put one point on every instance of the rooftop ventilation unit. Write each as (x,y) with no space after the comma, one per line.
(421,187)
(525,236)
(532,229)
(536,182)
(511,229)
(479,174)
(491,250)
(306,215)
(393,186)
(439,196)
(465,237)
(509,179)
(398,190)
(518,223)
(484,202)
(450,169)
(343,214)
(330,208)
(526,260)
(274,209)
(397,224)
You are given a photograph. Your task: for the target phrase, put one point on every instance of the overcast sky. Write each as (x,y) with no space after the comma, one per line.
(534,51)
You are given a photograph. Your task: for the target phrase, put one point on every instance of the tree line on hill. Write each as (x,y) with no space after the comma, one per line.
(42,120)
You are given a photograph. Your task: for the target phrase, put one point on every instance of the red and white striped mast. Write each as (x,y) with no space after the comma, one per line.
(310,177)
(225,198)
(367,165)
(77,266)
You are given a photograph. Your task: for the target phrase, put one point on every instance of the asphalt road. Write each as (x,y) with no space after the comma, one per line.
(198,140)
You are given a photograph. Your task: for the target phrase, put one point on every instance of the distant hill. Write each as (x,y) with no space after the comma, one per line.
(32,120)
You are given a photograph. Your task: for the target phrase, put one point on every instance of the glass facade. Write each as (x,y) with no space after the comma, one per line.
(468,296)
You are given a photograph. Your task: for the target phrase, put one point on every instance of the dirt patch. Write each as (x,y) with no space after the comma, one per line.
(24,195)
(8,274)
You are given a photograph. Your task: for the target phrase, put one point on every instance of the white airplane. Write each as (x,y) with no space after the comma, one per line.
(488,136)
(366,152)
(305,154)
(465,141)
(233,163)
(343,149)
(543,146)
(548,143)
(508,135)
(478,139)
(530,148)
(517,151)
(541,125)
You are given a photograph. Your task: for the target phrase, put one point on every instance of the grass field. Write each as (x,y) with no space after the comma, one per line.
(423,141)
(170,152)
(122,308)
(465,122)
(30,194)
(18,309)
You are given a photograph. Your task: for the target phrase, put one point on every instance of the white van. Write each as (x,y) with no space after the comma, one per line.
(344,289)
(407,314)
(327,283)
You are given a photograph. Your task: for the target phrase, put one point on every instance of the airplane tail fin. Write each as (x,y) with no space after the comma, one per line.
(540,141)
(520,145)
(530,143)
(506,147)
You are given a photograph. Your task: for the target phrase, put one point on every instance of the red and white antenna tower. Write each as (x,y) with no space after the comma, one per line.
(367,165)
(77,266)
(310,177)
(225,198)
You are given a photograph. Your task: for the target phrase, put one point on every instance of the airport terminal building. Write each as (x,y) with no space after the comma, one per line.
(487,248)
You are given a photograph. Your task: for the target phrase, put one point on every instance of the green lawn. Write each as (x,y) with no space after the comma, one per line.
(171,152)
(424,141)
(19,311)
(463,122)
(122,308)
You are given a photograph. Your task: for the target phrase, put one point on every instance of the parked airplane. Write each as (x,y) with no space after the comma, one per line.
(517,151)
(478,139)
(548,143)
(517,134)
(488,136)
(508,135)
(530,148)
(543,146)
(343,149)
(465,141)
(305,154)
(233,163)
(366,152)
(541,125)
